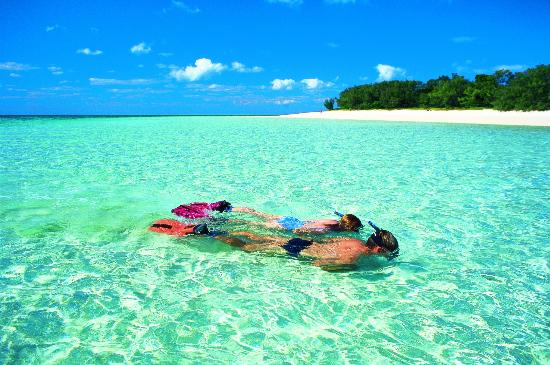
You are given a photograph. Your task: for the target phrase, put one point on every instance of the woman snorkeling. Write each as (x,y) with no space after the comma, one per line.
(347,222)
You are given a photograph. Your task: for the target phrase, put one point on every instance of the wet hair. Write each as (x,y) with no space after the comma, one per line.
(384,239)
(349,222)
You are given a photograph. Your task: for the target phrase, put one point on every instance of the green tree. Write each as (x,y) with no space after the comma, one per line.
(447,92)
(329,103)
(504,90)
(528,90)
(480,93)
(383,95)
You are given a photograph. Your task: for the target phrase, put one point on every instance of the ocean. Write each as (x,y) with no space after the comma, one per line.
(83,281)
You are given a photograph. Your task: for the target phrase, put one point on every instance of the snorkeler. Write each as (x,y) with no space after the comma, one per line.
(330,254)
(347,222)
(340,253)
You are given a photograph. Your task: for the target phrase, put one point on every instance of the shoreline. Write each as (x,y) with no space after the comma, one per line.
(484,116)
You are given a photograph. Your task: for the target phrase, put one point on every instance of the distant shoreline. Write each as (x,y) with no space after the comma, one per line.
(485,116)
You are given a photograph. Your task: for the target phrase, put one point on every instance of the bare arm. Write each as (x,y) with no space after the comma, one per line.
(255,212)
(335,265)
(257,224)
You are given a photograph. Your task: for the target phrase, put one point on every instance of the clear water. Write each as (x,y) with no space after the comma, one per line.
(82,280)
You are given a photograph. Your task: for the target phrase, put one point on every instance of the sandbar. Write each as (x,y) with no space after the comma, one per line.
(485,116)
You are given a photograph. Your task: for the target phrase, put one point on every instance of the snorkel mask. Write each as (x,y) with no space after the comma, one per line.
(378,241)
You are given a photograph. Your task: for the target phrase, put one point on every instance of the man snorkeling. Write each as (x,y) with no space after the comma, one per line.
(341,253)
(347,222)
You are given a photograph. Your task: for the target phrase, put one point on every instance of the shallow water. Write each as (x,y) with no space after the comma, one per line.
(82,280)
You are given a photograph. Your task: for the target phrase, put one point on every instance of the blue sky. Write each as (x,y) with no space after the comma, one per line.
(248,56)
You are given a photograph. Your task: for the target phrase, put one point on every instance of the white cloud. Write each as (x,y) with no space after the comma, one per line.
(98,81)
(202,68)
(284,101)
(183,6)
(387,72)
(315,83)
(463,39)
(138,91)
(164,66)
(333,45)
(89,52)
(55,70)
(510,67)
(14,66)
(239,67)
(141,48)
(286,2)
(51,28)
(13,74)
(279,84)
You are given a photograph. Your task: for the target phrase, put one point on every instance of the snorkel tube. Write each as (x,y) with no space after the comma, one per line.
(375,227)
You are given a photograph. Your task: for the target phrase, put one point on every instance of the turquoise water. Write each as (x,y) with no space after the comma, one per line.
(82,280)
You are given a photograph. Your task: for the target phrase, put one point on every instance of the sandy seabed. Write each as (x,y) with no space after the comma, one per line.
(486,116)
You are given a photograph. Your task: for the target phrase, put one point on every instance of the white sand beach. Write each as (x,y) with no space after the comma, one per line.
(486,116)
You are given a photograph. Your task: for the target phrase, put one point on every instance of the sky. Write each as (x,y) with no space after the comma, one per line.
(248,56)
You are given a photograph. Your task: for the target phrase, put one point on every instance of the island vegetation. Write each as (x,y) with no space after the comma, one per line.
(502,90)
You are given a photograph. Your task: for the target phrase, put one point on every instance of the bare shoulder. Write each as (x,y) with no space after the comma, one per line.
(324,221)
(348,241)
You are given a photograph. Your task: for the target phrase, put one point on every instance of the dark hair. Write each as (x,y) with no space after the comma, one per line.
(349,222)
(384,239)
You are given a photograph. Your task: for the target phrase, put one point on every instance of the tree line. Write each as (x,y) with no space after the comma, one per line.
(503,90)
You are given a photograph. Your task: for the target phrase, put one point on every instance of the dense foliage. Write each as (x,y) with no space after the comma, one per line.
(503,90)
(329,103)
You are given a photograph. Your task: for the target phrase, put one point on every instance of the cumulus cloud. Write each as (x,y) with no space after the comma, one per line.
(239,67)
(286,2)
(463,39)
(55,70)
(387,72)
(510,67)
(99,82)
(141,48)
(89,52)
(279,84)
(202,68)
(14,66)
(315,83)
